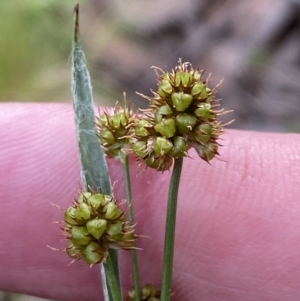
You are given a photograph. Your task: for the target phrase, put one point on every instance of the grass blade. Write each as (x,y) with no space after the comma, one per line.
(94,171)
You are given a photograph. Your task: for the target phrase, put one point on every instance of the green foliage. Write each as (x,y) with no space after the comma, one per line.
(34,37)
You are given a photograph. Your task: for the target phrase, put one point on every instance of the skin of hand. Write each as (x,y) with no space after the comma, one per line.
(238,220)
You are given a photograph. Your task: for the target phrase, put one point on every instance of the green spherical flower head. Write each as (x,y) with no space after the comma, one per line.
(94,224)
(183,112)
(114,129)
(148,293)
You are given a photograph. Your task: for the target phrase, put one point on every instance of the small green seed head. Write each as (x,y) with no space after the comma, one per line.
(113,129)
(93,224)
(182,115)
(147,293)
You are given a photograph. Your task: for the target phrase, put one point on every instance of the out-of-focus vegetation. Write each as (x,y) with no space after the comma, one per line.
(35,49)
(19,297)
(254,45)
(35,46)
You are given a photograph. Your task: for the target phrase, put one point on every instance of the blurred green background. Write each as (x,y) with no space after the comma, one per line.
(35,45)
(254,45)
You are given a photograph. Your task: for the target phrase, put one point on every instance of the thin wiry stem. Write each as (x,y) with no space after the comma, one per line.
(134,260)
(170,231)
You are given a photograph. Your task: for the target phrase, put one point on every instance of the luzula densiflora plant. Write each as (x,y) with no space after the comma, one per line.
(183,113)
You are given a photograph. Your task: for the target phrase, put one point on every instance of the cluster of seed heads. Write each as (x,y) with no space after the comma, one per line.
(93,224)
(147,293)
(182,114)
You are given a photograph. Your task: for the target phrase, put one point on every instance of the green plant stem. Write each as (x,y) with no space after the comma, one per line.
(170,231)
(134,260)
(115,263)
(112,281)
(94,171)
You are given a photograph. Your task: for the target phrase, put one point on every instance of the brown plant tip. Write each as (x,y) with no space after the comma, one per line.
(76,9)
(76,22)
